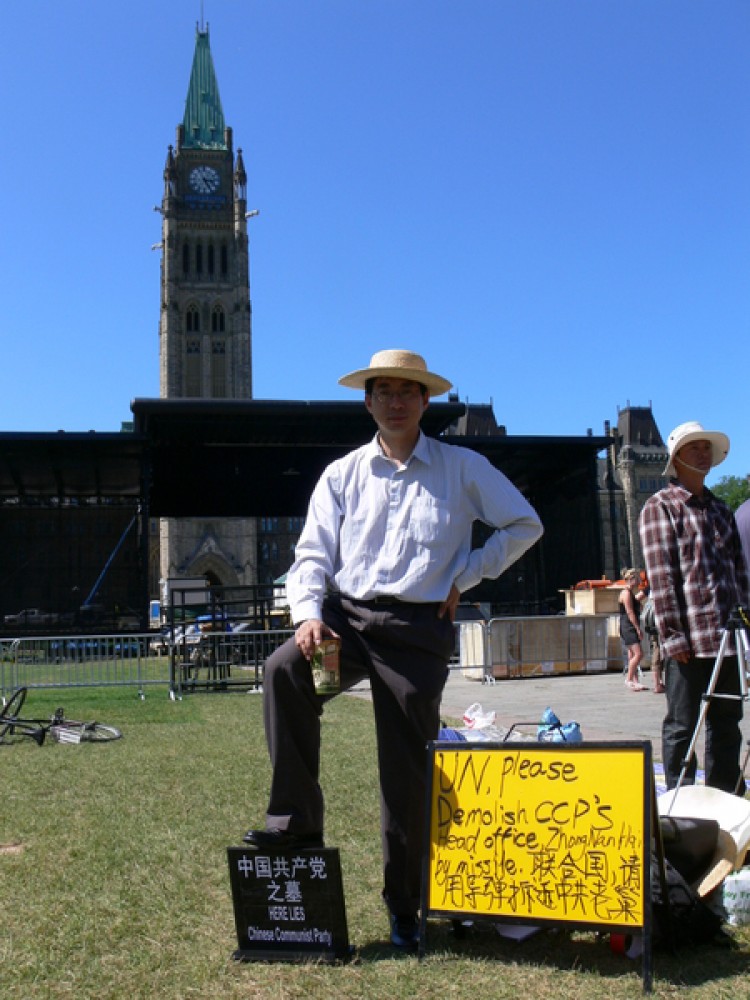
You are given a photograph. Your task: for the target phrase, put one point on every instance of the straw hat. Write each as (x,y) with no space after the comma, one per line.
(731,812)
(397,364)
(693,431)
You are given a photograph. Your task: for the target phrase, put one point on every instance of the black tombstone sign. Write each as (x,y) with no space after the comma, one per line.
(288,905)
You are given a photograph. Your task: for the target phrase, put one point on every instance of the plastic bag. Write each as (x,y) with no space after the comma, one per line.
(476,718)
(736,890)
(551,730)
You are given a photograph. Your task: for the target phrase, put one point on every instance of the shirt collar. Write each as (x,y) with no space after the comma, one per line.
(687,497)
(421,449)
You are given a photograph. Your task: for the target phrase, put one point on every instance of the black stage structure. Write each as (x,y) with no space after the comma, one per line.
(73,504)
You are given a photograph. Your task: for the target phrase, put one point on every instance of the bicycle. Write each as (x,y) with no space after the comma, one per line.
(60,728)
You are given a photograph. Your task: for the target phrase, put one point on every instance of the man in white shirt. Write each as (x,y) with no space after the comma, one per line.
(382,562)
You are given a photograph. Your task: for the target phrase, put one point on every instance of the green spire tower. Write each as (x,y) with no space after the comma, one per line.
(203,125)
(205,313)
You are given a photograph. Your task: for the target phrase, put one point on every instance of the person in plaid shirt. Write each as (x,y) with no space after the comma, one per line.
(697,573)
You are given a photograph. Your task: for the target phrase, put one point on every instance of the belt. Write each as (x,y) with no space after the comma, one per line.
(386,599)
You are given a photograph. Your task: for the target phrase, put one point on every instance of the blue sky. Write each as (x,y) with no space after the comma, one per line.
(550,199)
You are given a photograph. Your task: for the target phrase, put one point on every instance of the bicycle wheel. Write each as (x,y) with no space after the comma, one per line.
(84,732)
(10,711)
(14,704)
(97,732)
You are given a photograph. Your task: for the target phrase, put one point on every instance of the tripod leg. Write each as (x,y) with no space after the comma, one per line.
(703,712)
(742,644)
(741,780)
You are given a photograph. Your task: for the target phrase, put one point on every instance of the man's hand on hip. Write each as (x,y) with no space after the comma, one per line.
(450,604)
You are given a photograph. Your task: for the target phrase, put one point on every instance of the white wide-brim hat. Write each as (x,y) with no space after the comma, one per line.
(731,812)
(397,364)
(693,431)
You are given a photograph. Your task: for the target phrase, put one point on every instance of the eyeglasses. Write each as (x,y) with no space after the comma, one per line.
(387,396)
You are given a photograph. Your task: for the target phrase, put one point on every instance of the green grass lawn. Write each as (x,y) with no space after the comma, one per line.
(115,878)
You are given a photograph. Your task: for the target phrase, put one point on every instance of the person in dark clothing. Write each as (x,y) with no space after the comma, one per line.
(630,628)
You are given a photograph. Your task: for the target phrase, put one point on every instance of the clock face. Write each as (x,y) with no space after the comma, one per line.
(204,180)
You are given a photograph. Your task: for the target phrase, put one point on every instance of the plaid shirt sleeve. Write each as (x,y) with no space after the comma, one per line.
(662,569)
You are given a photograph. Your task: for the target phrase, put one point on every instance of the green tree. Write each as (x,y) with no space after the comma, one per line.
(733,490)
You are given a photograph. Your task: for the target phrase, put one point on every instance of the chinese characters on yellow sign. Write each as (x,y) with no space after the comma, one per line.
(540,832)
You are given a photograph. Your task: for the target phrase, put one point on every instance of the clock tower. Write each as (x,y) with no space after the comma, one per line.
(205,317)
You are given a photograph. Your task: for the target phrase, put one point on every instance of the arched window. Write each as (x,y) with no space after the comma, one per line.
(217,320)
(210,258)
(186,258)
(224,260)
(218,368)
(192,320)
(199,259)
(193,366)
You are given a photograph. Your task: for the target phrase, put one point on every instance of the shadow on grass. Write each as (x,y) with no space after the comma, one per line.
(556,948)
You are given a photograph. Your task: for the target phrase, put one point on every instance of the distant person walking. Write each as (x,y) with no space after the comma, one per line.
(649,625)
(630,627)
(697,573)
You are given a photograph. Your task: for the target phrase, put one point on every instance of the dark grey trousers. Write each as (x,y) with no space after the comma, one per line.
(403,649)
(686,683)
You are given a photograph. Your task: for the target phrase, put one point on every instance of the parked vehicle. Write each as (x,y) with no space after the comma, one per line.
(31,616)
(96,647)
(127,621)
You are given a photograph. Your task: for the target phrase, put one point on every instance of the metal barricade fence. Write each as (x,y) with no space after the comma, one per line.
(472,649)
(67,661)
(214,661)
(487,650)
(219,661)
(507,648)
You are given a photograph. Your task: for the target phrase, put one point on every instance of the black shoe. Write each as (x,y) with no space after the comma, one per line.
(404,931)
(282,839)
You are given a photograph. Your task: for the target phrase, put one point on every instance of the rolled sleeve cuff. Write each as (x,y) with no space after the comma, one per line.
(673,647)
(466,581)
(305,610)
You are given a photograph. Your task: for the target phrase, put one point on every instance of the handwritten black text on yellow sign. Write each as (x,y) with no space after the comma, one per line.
(539,832)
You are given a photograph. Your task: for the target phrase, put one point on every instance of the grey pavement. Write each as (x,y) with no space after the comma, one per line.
(600,703)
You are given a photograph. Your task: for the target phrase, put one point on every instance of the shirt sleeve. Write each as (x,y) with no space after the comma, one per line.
(316,551)
(742,520)
(742,567)
(662,568)
(501,506)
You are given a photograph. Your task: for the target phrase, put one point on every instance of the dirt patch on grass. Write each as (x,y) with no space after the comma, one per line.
(14,848)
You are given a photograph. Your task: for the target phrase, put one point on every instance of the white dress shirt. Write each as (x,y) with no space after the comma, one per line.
(375,527)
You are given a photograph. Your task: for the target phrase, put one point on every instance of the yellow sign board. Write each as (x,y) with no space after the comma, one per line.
(540,832)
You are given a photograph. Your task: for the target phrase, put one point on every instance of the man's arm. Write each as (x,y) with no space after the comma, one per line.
(449,605)
(662,568)
(501,506)
(315,554)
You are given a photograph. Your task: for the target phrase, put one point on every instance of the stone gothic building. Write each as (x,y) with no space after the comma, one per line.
(205,347)
(631,472)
